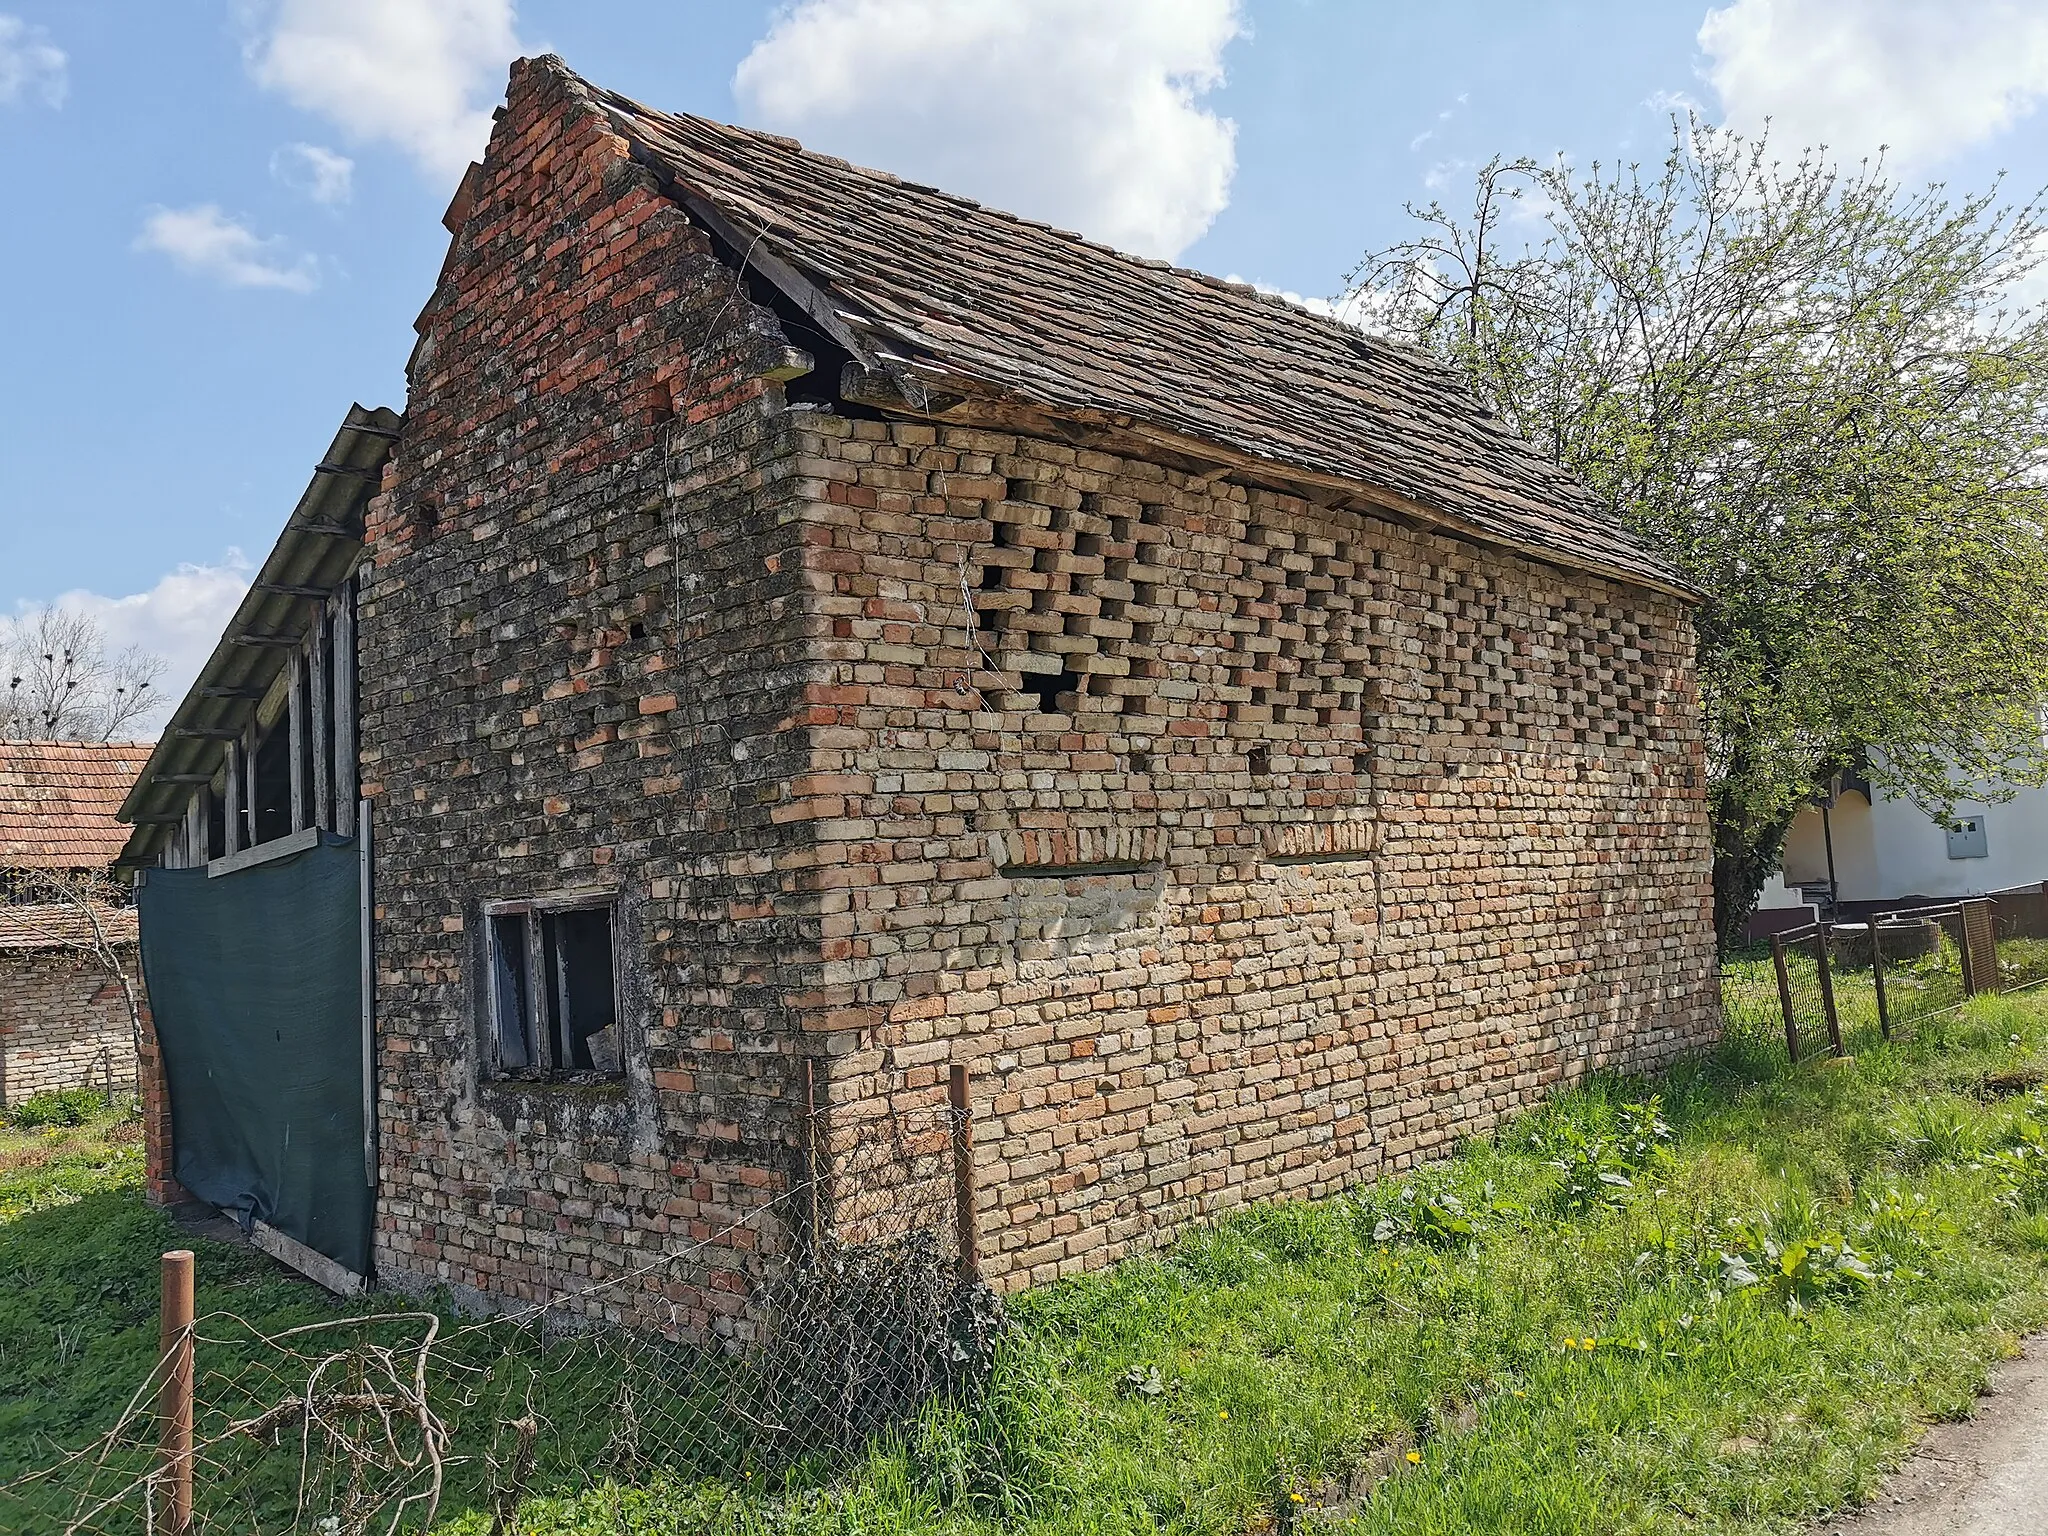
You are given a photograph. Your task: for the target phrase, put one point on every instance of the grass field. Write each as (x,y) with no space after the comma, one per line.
(1725,1310)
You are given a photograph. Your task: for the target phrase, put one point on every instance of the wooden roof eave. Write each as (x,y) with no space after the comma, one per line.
(316,553)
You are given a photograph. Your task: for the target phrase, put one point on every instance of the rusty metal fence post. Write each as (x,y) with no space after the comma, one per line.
(1884,1011)
(1785,996)
(174,1392)
(1823,936)
(963,1171)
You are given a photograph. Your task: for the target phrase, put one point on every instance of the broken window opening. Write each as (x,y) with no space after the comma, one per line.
(554,990)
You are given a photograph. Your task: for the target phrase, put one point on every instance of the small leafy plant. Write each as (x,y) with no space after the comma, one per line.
(1788,1258)
(1601,1163)
(65,1106)
(1415,1213)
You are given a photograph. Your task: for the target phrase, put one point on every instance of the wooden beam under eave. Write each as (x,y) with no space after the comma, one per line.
(319,692)
(295,715)
(345,709)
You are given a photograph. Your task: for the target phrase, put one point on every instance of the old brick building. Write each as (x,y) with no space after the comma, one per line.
(66,943)
(814,631)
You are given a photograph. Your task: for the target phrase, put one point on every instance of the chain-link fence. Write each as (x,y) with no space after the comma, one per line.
(401,1419)
(1824,983)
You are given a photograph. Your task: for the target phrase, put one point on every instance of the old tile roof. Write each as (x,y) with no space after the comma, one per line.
(58,799)
(62,926)
(961,298)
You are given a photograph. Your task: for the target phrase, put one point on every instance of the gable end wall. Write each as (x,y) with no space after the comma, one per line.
(582,648)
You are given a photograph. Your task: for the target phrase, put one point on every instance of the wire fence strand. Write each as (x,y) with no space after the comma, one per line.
(390,1421)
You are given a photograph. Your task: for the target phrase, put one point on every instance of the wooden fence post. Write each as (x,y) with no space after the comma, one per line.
(174,1392)
(963,1170)
(1785,996)
(1980,947)
(1884,1010)
(1822,934)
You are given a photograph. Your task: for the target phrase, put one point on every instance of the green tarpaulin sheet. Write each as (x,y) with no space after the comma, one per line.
(255,983)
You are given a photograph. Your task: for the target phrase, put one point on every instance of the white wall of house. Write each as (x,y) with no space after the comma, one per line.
(1893,849)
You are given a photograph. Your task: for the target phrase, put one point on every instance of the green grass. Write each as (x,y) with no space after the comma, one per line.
(1289,1369)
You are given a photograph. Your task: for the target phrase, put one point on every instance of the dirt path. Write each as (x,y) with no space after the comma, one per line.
(1986,1476)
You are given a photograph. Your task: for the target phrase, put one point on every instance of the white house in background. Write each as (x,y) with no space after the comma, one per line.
(1886,849)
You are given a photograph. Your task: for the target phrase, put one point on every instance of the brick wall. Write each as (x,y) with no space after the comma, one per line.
(581,662)
(63,1024)
(1339,841)
(1242,847)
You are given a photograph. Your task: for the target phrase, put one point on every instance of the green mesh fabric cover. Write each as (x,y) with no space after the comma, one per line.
(255,983)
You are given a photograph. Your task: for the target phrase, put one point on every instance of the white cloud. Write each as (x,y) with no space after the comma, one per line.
(326,177)
(1445,172)
(31,66)
(1442,117)
(1083,114)
(204,241)
(179,619)
(421,74)
(1358,309)
(1926,79)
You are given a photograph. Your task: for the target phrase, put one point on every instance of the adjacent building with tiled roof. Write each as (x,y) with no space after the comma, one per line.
(64,1020)
(59,802)
(812,643)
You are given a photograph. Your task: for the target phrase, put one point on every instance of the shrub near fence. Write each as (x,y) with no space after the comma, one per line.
(1886,973)
(398,1420)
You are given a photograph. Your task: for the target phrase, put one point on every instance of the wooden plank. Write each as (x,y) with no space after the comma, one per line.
(311,1263)
(323,726)
(1980,947)
(295,715)
(264,853)
(232,819)
(195,828)
(345,710)
(249,785)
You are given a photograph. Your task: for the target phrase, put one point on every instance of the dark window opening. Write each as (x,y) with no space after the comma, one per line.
(270,786)
(1260,761)
(216,827)
(554,992)
(1047,687)
(636,631)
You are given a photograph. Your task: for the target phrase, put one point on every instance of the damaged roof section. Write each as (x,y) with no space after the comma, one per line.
(317,552)
(962,303)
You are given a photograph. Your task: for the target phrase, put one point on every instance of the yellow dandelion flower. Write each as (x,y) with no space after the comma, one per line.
(1415,1458)
(1295,1497)
(1520,1393)
(1223,1413)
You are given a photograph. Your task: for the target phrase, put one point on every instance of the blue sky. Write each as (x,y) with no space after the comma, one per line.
(222,215)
